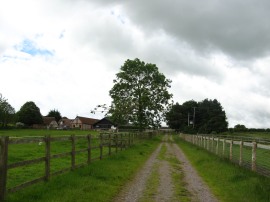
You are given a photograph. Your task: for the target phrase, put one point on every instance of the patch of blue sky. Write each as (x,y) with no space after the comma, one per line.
(62,34)
(30,47)
(119,17)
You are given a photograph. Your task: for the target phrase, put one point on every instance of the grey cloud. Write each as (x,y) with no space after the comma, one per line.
(235,27)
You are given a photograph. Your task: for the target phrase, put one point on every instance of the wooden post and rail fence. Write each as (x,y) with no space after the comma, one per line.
(108,141)
(251,153)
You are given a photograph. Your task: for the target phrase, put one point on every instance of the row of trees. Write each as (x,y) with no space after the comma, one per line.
(206,116)
(28,114)
(7,112)
(242,128)
(140,98)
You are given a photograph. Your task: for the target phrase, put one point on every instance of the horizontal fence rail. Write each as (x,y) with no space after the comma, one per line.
(251,153)
(74,148)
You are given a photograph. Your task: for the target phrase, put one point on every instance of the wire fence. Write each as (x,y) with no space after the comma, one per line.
(251,153)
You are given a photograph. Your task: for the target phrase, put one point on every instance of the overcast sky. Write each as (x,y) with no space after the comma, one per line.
(64,54)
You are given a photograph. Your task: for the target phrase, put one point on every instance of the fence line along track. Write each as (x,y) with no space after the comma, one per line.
(94,148)
(251,153)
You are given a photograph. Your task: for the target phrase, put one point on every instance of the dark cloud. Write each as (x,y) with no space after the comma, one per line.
(235,27)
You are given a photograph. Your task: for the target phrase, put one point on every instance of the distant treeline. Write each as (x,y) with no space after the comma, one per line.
(266,130)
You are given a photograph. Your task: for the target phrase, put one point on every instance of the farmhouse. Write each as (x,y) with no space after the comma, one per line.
(83,123)
(64,123)
(104,123)
(49,122)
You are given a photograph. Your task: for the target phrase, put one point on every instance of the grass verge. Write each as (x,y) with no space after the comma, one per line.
(151,186)
(100,181)
(228,182)
(180,191)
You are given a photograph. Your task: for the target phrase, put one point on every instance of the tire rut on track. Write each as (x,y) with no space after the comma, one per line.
(135,189)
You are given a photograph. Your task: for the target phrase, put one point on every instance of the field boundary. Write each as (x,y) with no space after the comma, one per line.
(251,153)
(113,142)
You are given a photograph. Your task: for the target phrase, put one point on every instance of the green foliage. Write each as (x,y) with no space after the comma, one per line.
(206,116)
(29,114)
(7,112)
(55,113)
(240,128)
(139,94)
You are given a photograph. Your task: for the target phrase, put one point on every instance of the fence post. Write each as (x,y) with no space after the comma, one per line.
(3,167)
(116,142)
(254,148)
(125,141)
(217,146)
(231,149)
(208,142)
(224,145)
(47,157)
(109,143)
(204,142)
(89,148)
(129,140)
(121,141)
(212,147)
(73,152)
(101,146)
(241,153)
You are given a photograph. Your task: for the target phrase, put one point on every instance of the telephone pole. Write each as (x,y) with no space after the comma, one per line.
(188,119)
(194,112)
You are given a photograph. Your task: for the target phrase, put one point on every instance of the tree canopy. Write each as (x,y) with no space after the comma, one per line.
(7,112)
(139,95)
(29,114)
(206,116)
(240,128)
(55,113)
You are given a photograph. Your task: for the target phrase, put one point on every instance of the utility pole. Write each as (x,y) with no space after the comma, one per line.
(188,119)
(194,112)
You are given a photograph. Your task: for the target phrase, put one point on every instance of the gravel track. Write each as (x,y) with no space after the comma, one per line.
(134,190)
(195,184)
(165,190)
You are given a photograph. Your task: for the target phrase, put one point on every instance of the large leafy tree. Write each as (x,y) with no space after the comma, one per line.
(29,114)
(206,116)
(7,112)
(139,95)
(55,113)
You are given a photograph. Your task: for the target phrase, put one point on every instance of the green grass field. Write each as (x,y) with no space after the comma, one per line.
(262,155)
(249,134)
(99,181)
(30,151)
(22,152)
